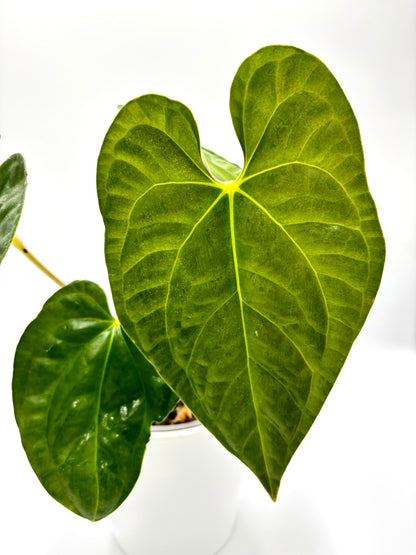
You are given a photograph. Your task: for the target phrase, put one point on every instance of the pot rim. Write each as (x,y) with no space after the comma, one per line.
(172,430)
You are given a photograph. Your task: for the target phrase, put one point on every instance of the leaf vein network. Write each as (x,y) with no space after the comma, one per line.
(261,207)
(308,364)
(219,197)
(204,326)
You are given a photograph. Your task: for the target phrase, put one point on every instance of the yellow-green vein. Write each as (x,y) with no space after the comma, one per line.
(204,215)
(250,198)
(97,415)
(240,297)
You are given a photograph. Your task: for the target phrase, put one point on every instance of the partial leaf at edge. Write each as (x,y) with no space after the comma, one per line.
(84,401)
(12,192)
(245,291)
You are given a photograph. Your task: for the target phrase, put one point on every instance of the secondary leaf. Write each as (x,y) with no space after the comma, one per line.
(245,289)
(84,401)
(12,193)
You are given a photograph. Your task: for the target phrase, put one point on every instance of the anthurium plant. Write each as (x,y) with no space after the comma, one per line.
(239,291)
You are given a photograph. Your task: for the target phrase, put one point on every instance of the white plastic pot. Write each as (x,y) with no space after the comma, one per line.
(186,498)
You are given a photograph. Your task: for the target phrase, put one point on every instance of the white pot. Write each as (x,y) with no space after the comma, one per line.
(185,500)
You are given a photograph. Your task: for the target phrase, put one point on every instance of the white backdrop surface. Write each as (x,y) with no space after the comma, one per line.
(64,69)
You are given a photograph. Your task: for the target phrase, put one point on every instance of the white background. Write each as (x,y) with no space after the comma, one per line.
(64,69)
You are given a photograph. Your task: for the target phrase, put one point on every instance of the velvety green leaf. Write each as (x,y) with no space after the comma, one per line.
(12,193)
(245,289)
(84,401)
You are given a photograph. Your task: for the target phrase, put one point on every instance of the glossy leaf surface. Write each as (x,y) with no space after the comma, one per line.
(246,290)
(12,193)
(84,401)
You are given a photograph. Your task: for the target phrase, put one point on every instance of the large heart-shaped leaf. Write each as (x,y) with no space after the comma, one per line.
(246,290)
(12,194)
(84,401)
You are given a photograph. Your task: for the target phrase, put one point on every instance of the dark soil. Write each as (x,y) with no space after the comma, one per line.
(180,414)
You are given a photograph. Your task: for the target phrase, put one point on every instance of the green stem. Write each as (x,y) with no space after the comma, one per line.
(20,247)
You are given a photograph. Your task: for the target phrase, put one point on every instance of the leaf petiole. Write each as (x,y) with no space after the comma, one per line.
(17,242)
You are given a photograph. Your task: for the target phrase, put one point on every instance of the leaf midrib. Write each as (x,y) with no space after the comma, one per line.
(97,415)
(102,332)
(240,297)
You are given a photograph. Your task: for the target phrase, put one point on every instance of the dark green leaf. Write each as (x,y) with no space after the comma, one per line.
(84,401)
(246,290)
(12,194)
